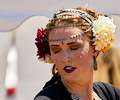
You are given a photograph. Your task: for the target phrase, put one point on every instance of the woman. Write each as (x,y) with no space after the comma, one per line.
(71,41)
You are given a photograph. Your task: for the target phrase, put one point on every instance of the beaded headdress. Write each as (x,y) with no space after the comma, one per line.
(102,27)
(72,13)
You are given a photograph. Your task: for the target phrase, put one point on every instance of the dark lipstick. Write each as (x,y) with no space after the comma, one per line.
(69,69)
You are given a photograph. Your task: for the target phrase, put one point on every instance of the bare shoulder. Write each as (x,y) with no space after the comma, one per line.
(42,98)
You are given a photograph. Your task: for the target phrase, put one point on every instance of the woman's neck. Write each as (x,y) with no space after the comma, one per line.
(82,90)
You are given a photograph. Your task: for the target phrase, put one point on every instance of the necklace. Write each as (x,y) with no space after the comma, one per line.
(96,97)
(75,97)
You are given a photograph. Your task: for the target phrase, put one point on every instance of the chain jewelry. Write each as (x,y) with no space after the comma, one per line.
(95,97)
(71,37)
(72,13)
(65,13)
(75,97)
(69,25)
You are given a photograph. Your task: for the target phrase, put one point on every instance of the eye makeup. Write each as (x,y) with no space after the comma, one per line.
(55,49)
(74,44)
(83,52)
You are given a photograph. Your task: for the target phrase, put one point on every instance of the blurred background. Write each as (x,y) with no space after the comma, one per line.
(22,76)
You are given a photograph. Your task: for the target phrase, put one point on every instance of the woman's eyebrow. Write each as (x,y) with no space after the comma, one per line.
(71,43)
(54,45)
(67,44)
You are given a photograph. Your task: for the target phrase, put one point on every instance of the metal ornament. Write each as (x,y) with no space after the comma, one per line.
(95,63)
(70,37)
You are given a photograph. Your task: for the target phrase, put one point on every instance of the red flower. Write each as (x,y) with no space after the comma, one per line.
(42,43)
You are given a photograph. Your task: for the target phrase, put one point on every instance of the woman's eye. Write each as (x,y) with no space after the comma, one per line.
(56,52)
(74,47)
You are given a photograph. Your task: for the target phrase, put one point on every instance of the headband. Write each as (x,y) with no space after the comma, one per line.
(72,13)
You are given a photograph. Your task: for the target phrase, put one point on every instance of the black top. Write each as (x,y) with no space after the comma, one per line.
(55,90)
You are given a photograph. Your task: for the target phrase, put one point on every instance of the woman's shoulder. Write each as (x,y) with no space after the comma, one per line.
(49,92)
(106,90)
(42,98)
(53,90)
(105,86)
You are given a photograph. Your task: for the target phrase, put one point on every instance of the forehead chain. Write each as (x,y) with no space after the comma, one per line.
(70,37)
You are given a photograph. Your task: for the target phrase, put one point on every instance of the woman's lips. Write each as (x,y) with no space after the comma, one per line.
(69,69)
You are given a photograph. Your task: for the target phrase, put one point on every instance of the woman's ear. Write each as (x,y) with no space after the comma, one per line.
(95,52)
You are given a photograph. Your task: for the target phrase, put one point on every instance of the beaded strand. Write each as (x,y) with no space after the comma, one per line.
(69,25)
(70,37)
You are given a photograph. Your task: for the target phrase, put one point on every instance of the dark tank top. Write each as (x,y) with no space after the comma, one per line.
(55,90)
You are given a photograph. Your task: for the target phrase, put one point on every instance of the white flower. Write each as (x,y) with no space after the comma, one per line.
(47,59)
(103,30)
(41,59)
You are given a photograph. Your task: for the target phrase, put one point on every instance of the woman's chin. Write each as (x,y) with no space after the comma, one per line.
(71,78)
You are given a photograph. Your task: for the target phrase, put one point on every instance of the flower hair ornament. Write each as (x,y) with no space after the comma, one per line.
(103,30)
(102,27)
(43,46)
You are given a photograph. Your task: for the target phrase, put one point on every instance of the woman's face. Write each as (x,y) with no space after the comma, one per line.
(73,57)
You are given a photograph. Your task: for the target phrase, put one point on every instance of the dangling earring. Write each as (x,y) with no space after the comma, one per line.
(54,70)
(95,63)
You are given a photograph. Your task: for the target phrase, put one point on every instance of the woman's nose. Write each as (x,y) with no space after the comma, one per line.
(66,57)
